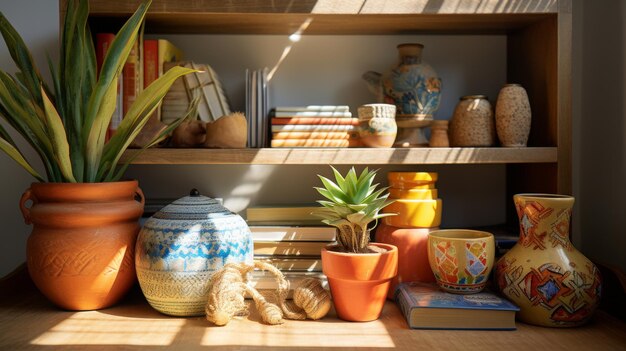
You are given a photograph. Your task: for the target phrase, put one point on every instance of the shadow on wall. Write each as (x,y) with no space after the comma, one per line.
(603,145)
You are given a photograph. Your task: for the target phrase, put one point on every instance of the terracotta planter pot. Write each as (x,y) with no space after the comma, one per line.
(359,282)
(412,244)
(80,253)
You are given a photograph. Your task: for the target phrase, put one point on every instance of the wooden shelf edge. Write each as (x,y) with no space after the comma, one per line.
(349,156)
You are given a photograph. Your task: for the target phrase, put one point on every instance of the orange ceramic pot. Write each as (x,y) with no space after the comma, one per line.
(412,244)
(80,253)
(412,180)
(359,282)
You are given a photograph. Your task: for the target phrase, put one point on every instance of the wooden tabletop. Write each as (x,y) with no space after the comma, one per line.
(29,322)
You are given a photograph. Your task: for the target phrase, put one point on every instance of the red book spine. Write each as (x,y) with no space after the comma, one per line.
(103,43)
(150,61)
(130,75)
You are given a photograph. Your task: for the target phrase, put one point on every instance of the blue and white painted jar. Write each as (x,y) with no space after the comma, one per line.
(412,85)
(181,246)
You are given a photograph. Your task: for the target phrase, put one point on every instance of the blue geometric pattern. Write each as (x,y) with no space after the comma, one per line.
(475,267)
(185,236)
(549,289)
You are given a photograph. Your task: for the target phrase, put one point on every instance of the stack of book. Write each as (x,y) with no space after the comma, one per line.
(313,126)
(291,239)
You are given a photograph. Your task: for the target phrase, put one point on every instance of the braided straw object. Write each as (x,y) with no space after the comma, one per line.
(228,288)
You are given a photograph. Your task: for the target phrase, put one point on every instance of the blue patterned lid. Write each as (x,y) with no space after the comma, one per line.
(193,207)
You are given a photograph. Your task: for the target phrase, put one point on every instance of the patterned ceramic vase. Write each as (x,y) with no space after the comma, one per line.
(473,123)
(461,259)
(412,85)
(553,283)
(513,116)
(181,246)
(377,125)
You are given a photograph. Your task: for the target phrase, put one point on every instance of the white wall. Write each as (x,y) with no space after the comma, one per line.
(467,64)
(40,29)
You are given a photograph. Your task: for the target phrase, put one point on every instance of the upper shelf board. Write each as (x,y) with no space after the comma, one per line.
(350,156)
(328,16)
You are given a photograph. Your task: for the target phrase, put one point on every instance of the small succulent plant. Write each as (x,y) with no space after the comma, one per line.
(352,203)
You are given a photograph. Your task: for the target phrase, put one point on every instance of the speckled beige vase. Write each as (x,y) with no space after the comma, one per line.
(473,123)
(513,116)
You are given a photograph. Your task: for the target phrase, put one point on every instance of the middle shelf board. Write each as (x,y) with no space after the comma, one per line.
(347,156)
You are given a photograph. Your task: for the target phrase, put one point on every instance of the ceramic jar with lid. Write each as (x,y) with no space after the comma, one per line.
(181,246)
(473,123)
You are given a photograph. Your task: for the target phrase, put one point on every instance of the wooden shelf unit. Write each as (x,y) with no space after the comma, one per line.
(538,56)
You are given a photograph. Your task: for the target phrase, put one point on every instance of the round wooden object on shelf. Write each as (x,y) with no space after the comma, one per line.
(439,134)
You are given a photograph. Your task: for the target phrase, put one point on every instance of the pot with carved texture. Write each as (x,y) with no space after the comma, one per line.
(553,283)
(80,252)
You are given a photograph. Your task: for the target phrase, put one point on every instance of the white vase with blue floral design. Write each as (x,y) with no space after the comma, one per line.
(414,87)
(181,246)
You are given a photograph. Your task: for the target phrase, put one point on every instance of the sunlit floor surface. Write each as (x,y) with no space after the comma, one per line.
(29,322)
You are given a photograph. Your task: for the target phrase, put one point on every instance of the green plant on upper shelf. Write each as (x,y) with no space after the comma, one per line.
(67,125)
(352,203)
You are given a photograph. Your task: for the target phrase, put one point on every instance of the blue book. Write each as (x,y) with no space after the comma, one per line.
(425,306)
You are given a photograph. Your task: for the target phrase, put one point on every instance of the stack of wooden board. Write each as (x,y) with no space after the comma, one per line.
(313,126)
(290,238)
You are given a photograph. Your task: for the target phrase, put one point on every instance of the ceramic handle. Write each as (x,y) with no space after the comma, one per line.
(28,195)
(141,196)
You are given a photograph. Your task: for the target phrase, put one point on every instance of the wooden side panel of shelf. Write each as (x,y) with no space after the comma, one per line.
(539,58)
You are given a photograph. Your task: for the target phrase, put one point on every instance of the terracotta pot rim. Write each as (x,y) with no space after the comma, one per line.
(543,196)
(474,235)
(40,184)
(390,248)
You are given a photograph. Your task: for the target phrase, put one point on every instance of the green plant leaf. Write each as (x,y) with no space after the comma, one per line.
(18,109)
(334,189)
(351,181)
(98,114)
(339,179)
(23,59)
(14,153)
(58,137)
(139,113)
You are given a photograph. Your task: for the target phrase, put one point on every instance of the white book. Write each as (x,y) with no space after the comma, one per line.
(313,108)
(313,128)
(293,233)
(309,264)
(263,280)
(285,114)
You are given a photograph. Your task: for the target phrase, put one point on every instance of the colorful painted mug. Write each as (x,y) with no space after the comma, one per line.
(461,259)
